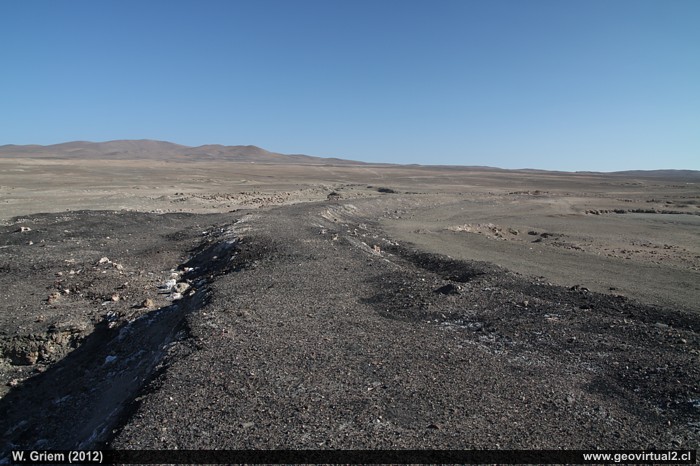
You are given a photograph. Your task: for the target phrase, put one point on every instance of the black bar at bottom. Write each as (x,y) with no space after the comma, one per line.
(361,457)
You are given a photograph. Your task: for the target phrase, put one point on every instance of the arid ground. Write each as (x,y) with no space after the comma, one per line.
(227,304)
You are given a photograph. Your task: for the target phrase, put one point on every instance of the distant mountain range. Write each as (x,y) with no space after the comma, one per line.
(146,149)
(681,175)
(161,150)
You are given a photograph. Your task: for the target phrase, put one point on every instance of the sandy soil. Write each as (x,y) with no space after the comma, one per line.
(234,305)
(635,237)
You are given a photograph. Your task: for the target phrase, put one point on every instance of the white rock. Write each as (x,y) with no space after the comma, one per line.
(182,287)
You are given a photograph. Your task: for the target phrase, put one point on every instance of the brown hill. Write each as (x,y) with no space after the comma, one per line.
(147,149)
(161,150)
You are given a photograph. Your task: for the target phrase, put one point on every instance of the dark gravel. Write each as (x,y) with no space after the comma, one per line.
(303,332)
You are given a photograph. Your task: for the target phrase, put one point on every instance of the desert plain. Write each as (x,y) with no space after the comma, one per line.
(155,300)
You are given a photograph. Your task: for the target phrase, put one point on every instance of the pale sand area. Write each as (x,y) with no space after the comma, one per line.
(541,224)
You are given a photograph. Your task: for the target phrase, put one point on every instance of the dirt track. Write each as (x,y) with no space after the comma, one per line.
(308,326)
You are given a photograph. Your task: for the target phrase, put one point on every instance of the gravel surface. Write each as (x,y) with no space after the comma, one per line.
(306,327)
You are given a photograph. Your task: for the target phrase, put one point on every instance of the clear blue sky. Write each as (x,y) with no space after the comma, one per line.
(573,85)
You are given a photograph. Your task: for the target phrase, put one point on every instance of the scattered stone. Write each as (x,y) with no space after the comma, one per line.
(450,288)
(104,260)
(148,303)
(181,287)
(170,284)
(53,297)
(334,196)
(433,426)
(23,229)
(31,358)
(570,399)
(115,297)
(374,386)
